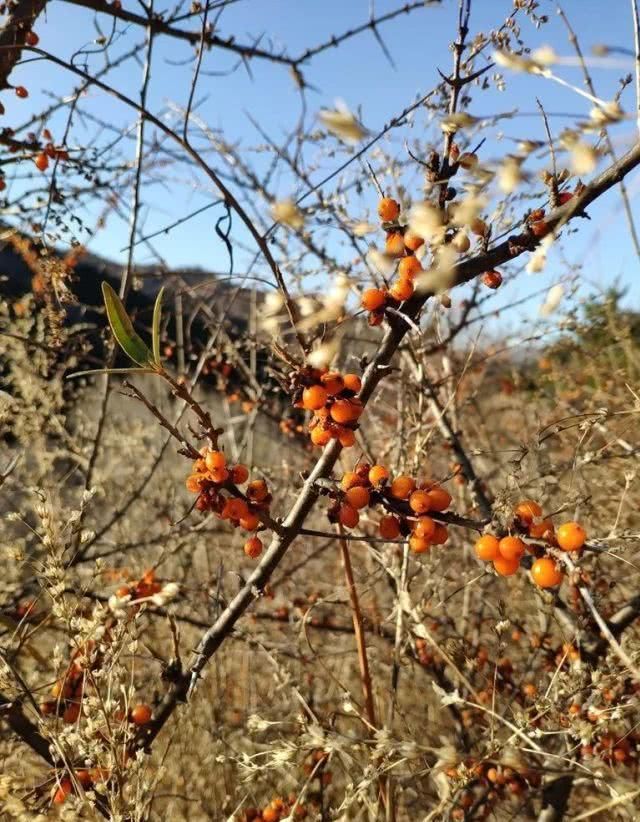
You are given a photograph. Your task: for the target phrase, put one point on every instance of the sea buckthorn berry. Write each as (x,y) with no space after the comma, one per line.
(314,397)
(257,490)
(219,475)
(347,437)
(239,474)
(388,209)
(486,547)
(320,436)
(546,573)
(511,548)
(492,279)
(409,267)
(412,241)
(527,511)
(141,714)
(440,535)
(419,545)
(194,483)
(250,522)
(571,536)
(235,509)
(3,184)
(402,487)
(333,383)
(253,547)
(349,479)
(420,502)
(541,530)
(352,382)
(71,713)
(425,527)
(215,460)
(394,244)
(506,567)
(564,197)
(402,290)
(389,528)
(378,474)
(31,38)
(468,160)
(440,498)
(373,299)
(343,411)
(41,161)
(21,92)
(357,497)
(62,791)
(539,228)
(348,516)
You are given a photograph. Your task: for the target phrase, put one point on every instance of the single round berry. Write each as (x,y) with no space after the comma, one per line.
(506,567)
(419,545)
(343,411)
(402,290)
(219,475)
(349,479)
(62,791)
(486,548)
(333,383)
(402,487)
(215,460)
(492,279)
(425,527)
(394,244)
(511,548)
(420,502)
(539,228)
(412,241)
(571,536)
(541,530)
(320,436)
(21,92)
(141,714)
(253,547)
(440,535)
(347,437)
(389,527)
(31,39)
(352,382)
(440,498)
(388,209)
(348,516)
(373,299)
(527,511)
(545,573)
(42,161)
(378,474)
(257,490)
(357,497)
(409,267)
(314,397)
(250,522)
(239,474)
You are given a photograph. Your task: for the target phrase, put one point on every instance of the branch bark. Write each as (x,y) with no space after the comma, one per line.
(13,33)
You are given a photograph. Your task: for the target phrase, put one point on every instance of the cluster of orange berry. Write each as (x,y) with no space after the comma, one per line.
(212,476)
(494,782)
(506,553)
(333,399)
(409,502)
(277,809)
(400,243)
(536,223)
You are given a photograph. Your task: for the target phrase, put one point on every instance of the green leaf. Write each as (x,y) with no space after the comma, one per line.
(132,345)
(157,317)
(110,371)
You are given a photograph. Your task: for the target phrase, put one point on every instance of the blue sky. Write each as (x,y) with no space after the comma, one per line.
(359,73)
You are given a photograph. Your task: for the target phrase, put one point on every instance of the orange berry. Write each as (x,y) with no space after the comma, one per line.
(425,527)
(357,497)
(250,522)
(41,161)
(527,510)
(71,713)
(486,547)
(412,241)
(194,483)
(235,509)
(253,547)
(564,197)
(571,536)
(402,290)
(343,411)
(492,279)
(270,814)
(352,382)
(373,299)
(440,498)
(314,397)
(350,479)
(419,545)
(84,777)
(529,689)
(388,209)
(378,474)
(389,528)
(140,714)
(546,573)
(320,436)
(62,792)
(539,228)
(402,487)
(420,502)
(257,490)
(31,38)
(541,530)
(506,567)
(409,267)
(333,383)
(347,437)
(394,244)
(21,92)
(440,535)
(511,548)
(219,475)
(215,460)
(348,515)
(239,474)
